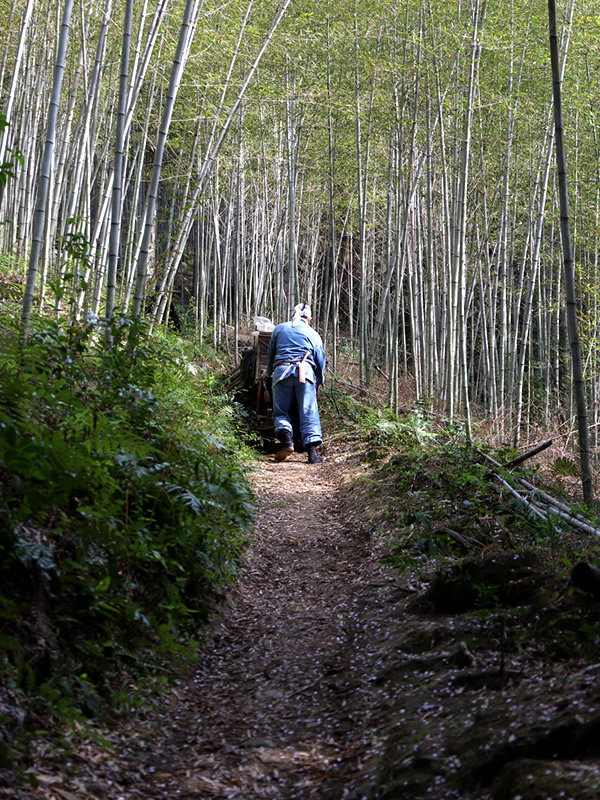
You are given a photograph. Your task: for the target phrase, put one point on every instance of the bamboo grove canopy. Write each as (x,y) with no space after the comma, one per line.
(391,163)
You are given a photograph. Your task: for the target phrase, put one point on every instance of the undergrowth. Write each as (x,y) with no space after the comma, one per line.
(123,509)
(432,498)
(431,492)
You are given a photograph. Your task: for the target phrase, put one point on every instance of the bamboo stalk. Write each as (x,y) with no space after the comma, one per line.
(524,456)
(531,506)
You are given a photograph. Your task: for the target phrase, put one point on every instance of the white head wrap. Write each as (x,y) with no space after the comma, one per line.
(301,311)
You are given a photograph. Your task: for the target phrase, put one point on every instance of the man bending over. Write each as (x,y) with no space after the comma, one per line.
(296,362)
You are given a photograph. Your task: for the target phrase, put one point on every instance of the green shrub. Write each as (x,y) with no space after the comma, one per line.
(123,508)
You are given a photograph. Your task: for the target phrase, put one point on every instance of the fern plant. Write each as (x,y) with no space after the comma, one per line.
(124,507)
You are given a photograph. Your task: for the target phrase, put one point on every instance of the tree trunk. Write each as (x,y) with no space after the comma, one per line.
(115,221)
(46,169)
(577,364)
(190,18)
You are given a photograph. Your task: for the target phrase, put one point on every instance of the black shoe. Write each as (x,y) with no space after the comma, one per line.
(313,458)
(287,445)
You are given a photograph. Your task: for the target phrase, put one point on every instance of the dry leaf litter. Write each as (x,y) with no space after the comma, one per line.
(323,677)
(281,703)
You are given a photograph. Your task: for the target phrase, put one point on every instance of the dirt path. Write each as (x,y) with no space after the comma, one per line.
(283,704)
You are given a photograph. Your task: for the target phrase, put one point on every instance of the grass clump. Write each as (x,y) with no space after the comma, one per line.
(123,509)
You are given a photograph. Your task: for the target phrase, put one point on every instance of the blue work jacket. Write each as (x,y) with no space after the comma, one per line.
(288,346)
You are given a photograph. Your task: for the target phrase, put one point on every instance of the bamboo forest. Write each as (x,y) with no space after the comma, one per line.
(391,163)
(186,611)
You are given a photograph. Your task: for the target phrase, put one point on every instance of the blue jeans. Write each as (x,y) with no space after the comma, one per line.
(290,393)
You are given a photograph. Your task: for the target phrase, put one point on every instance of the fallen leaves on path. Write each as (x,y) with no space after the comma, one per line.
(282,703)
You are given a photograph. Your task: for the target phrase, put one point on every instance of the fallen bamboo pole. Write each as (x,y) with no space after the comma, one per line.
(528,454)
(560,509)
(534,509)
